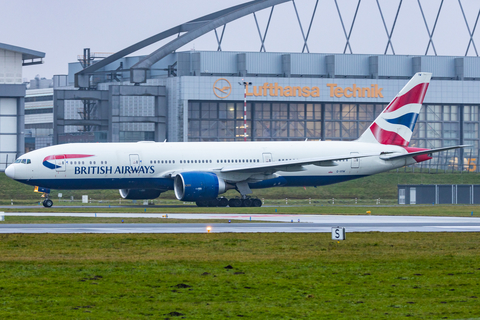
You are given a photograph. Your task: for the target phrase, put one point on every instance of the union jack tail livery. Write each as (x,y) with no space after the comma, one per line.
(394,126)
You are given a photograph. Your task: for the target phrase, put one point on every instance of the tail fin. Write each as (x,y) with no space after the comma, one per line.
(395,124)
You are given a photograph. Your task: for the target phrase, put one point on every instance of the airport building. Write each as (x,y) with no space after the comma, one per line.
(12,100)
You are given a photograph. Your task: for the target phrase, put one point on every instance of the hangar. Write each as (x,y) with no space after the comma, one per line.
(199,95)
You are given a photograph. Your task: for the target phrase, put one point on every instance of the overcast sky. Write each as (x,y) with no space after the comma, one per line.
(62,28)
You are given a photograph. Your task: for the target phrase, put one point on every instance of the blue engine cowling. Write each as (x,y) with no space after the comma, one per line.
(140,194)
(195,185)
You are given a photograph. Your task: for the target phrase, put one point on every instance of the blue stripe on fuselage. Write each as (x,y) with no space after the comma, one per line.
(303,181)
(50,165)
(89,184)
(167,184)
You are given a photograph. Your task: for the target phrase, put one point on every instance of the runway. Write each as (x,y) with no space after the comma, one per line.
(288,224)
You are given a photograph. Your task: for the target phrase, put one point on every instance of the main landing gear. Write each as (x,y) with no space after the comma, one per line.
(245,201)
(233,203)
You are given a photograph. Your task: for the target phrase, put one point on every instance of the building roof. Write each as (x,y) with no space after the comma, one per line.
(27,54)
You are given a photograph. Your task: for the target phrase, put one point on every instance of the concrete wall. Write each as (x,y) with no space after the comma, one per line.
(10,67)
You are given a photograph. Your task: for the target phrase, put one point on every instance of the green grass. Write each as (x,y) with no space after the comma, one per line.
(383,186)
(274,276)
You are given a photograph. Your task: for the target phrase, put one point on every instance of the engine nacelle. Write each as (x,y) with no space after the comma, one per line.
(195,185)
(140,194)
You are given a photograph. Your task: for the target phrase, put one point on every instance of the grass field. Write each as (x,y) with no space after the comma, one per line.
(273,276)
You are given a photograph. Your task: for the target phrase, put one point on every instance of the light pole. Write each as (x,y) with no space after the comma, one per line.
(245,84)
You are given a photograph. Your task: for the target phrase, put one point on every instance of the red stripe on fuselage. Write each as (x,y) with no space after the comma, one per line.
(414,95)
(67,156)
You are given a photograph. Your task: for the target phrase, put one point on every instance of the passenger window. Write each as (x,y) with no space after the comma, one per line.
(210,161)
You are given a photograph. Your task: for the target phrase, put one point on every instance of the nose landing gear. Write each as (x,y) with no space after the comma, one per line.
(47,203)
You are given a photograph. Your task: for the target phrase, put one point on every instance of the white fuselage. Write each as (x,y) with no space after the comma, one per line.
(153,165)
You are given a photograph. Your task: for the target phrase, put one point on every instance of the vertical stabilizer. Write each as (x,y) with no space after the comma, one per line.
(395,124)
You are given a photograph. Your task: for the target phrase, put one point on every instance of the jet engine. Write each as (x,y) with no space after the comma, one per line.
(194,186)
(140,194)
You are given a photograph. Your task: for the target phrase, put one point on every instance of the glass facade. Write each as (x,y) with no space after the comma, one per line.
(270,121)
(437,126)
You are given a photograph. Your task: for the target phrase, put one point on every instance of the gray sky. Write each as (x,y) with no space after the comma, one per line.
(62,28)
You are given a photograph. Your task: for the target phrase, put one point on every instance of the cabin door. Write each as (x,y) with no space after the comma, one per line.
(60,163)
(134,160)
(355,161)
(267,157)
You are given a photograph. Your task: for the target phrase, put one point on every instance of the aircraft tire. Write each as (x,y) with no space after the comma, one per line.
(222,202)
(256,203)
(235,203)
(47,203)
(213,203)
(202,203)
(247,202)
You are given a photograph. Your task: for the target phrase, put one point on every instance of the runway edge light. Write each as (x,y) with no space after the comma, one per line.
(338,233)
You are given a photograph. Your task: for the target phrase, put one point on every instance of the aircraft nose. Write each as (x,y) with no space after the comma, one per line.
(10,172)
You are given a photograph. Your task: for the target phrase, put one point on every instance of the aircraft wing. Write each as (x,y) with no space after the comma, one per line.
(290,165)
(418,153)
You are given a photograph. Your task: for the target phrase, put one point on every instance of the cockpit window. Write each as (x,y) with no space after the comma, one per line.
(24,161)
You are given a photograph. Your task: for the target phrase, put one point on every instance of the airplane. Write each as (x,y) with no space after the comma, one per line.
(202,171)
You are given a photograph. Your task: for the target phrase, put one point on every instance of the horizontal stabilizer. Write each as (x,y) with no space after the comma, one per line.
(419,153)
